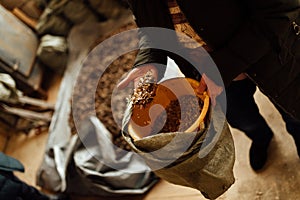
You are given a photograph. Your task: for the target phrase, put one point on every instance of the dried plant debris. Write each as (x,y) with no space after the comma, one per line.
(145,90)
(110,116)
(179,115)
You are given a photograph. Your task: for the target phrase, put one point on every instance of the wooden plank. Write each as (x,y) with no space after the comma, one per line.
(27,114)
(24,18)
(18,43)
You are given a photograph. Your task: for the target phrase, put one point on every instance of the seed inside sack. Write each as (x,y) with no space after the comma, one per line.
(179,115)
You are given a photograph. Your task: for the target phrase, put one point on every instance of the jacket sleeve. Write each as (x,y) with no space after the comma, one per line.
(10,164)
(150,13)
(263,29)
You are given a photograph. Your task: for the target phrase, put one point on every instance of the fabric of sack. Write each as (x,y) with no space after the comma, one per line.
(92,167)
(107,8)
(53,24)
(41,4)
(202,160)
(78,12)
(31,9)
(11,4)
(8,90)
(97,170)
(53,52)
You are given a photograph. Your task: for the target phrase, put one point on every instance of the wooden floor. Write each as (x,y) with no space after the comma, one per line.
(280,179)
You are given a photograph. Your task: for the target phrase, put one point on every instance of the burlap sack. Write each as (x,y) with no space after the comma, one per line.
(78,12)
(107,8)
(202,160)
(49,23)
(53,52)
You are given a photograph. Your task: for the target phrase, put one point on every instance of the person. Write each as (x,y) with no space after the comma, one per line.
(253,43)
(12,188)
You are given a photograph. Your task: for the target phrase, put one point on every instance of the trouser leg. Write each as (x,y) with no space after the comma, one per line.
(243,113)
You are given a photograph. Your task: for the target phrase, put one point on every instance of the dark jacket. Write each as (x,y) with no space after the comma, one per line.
(259,37)
(11,188)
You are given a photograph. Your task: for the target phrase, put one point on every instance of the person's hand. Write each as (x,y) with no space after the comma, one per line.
(137,73)
(213,89)
(202,58)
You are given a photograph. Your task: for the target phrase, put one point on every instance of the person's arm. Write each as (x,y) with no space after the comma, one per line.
(151,13)
(154,13)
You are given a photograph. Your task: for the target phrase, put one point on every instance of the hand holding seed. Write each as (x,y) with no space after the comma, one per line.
(136,74)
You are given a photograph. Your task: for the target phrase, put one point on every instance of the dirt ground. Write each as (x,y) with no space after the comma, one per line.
(280,177)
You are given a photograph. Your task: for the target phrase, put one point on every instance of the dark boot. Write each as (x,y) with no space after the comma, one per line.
(258,153)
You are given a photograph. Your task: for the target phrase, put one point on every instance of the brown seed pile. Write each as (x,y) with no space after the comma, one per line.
(179,115)
(110,103)
(145,90)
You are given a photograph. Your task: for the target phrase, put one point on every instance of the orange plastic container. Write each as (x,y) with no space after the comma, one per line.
(143,118)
